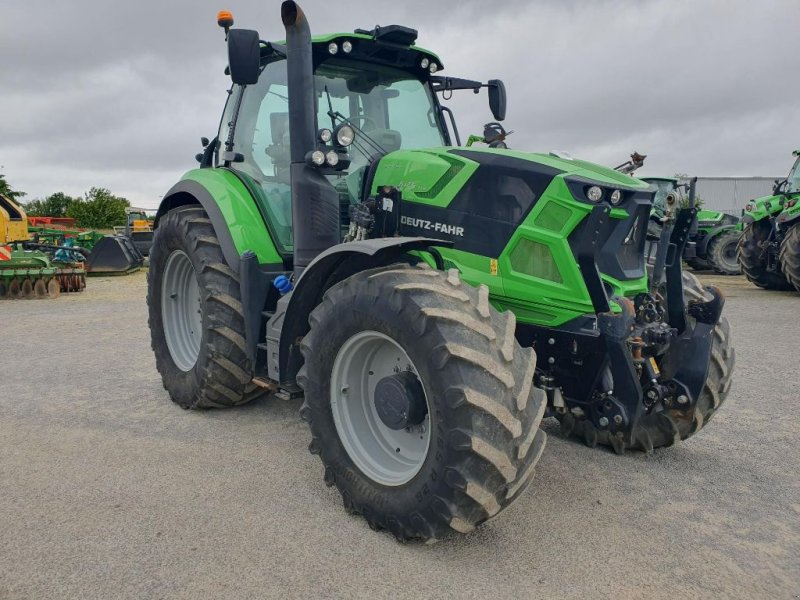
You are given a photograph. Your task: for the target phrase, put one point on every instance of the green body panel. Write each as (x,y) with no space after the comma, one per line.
(709,221)
(240,211)
(776,205)
(763,208)
(556,295)
(790,213)
(429,176)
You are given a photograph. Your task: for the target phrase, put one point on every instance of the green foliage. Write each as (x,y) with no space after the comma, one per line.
(99,209)
(54,205)
(7,190)
(698,201)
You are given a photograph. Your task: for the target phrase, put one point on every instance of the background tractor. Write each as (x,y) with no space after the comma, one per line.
(769,250)
(713,240)
(428,301)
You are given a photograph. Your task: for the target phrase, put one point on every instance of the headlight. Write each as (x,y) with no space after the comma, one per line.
(424,63)
(347,46)
(749,207)
(433,68)
(316,158)
(333,48)
(594,193)
(344,135)
(325,135)
(332,158)
(616,197)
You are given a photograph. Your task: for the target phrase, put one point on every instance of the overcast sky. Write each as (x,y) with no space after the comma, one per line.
(117,94)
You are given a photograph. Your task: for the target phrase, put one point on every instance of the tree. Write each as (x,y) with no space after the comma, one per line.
(7,190)
(54,205)
(99,209)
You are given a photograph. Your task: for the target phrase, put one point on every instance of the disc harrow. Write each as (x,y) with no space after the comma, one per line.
(33,275)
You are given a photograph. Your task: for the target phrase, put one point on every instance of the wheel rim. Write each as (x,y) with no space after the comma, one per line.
(387,456)
(181,310)
(729,256)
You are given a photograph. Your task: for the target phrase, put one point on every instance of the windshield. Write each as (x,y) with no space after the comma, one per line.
(392,108)
(793,180)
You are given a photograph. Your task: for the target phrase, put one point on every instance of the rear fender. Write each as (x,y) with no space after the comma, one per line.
(246,244)
(233,213)
(290,322)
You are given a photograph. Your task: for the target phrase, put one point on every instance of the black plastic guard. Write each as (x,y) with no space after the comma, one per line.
(674,269)
(585,250)
(616,328)
(687,360)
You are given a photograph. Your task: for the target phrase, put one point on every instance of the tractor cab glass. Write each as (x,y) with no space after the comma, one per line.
(793,180)
(390,109)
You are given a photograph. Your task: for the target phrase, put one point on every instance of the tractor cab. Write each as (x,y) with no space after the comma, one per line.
(374,93)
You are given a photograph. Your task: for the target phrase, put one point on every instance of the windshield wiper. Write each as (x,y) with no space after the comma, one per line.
(334,114)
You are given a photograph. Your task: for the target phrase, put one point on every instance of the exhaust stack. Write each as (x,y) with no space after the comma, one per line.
(315,203)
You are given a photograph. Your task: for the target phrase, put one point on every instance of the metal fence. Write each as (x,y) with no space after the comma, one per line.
(730,194)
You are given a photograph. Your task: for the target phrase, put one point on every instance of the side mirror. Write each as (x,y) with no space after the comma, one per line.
(244,56)
(497,98)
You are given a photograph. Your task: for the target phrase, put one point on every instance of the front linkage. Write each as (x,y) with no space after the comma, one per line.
(645,357)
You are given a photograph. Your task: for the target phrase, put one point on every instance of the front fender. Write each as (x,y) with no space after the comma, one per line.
(761,208)
(290,322)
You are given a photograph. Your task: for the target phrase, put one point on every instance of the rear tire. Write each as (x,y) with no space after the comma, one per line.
(202,358)
(754,265)
(790,256)
(483,410)
(722,253)
(666,427)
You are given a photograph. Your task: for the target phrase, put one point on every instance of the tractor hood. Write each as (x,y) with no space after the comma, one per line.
(435,176)
(762,208)
(712,218)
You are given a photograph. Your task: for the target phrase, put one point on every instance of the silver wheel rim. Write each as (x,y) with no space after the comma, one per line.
(729,255)
(181,311)
(386,456)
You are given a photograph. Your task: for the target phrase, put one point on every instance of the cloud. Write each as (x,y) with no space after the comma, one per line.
(118,94)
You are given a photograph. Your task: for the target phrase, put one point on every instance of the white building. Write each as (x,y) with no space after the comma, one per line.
(730,194)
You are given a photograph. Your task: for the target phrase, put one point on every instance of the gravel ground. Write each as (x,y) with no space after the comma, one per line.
(108,490)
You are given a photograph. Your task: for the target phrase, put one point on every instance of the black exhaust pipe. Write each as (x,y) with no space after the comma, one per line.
(315,203)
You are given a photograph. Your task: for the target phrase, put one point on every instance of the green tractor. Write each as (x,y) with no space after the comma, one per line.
(430,302)
(713,241)
(769,250)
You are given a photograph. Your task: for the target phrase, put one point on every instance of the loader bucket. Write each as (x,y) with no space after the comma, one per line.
(142,240)
(114,254)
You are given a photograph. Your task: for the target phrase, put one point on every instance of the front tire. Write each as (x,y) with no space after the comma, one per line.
(479,440)
(751,257)
(790,256)
(195,315)
(722,251)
